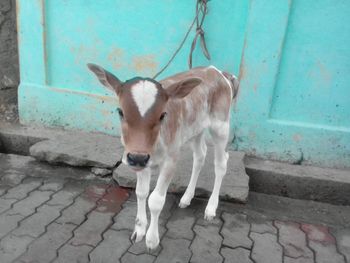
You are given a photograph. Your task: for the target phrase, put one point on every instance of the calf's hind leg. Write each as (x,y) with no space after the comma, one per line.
(199,148)
(219,131)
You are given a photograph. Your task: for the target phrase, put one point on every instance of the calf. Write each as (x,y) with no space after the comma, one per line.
(157,118)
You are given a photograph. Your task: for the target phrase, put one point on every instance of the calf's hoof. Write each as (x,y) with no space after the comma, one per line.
(152,241)
(209,214)
(139,233)
(185,200)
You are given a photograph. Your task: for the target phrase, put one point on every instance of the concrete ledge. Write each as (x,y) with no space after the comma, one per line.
(60,146)
(98,150)
(297,181)
(18,139)
(79,149)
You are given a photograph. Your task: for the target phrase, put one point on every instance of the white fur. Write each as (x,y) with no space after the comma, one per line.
(144,94)
(142,190)
(166,156)
(199,148)
(157,199)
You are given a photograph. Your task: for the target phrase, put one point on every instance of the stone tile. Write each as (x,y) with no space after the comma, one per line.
(53,184)
(8,222)
(27,206)
(132,196)
(203,222)
(83,205)
(10,219)
(326,254)
(293,240)
(343,241)
(266,249)
(113,246)
(297,260)
(170,203)
(174,250)
(21,191)
(113,200)
(180,224)
(43,249)
(65,196)
(75,213)
(12,178)
(125,219)
(237,255)
(35,225)
(12,247)
(3,189)
(5,204)
(131,258)
(89,233)
(206,244)
(323,243)
(262,226)
(76,254)
(236,230)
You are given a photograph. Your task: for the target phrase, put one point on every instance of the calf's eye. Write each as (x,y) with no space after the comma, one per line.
(120,112)
(162,116)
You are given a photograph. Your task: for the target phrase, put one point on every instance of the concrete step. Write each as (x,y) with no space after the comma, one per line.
(60,146)
(99,150)
(299,181)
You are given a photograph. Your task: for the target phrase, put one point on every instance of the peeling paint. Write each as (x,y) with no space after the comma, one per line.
(116,57)
(108,99)
(297,137)
(145,64)
(325,74)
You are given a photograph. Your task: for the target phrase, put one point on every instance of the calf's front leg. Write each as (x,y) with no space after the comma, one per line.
(142,190)
(156,201)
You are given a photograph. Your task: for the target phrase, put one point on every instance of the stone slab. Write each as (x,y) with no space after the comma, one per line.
(79,149)
(299,181)
(75,148)
(235,185)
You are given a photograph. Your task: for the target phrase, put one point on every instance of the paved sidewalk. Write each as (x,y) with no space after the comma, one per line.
(60,214)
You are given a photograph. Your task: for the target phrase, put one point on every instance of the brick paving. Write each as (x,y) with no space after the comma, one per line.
(72,219)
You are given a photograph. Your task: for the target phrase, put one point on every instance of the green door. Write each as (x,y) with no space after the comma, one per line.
(294,100)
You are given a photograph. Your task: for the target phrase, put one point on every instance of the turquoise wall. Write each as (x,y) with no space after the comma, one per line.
(292,57)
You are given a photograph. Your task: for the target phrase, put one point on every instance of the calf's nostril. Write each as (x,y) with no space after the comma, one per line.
(130,159)
(137,159)
(146,158)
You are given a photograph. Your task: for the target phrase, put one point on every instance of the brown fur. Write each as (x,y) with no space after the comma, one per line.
(211,95)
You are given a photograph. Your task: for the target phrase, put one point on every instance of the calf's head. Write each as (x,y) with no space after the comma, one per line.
(142,111)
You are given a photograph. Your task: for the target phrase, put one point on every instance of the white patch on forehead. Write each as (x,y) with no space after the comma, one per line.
(144,93)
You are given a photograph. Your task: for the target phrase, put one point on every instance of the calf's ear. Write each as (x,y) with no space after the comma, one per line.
(106,78)
(182,88)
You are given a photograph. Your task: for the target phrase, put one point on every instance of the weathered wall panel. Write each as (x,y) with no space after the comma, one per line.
(292,58)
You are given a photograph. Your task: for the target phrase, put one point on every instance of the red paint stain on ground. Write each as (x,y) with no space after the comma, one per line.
(113,200)
(95,192)
(318,233)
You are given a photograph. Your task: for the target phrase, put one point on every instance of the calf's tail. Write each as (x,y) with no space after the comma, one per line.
(234,83)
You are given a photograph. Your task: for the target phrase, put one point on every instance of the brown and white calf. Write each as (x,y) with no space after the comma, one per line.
(157,119)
